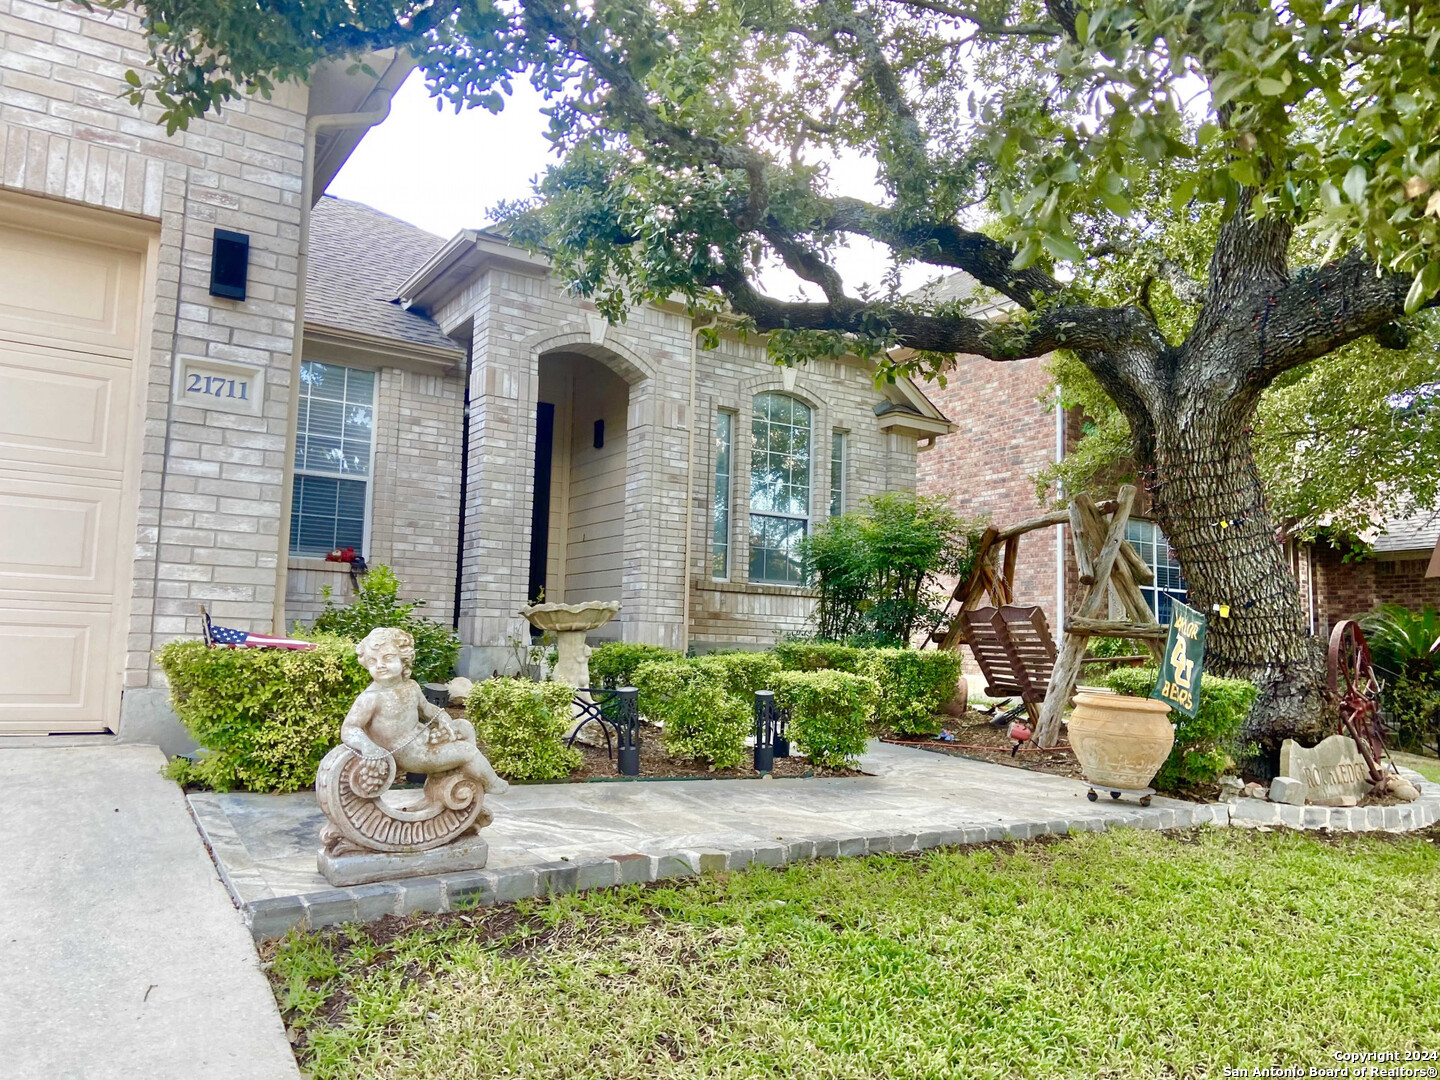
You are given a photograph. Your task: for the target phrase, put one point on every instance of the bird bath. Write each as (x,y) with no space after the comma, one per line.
(570,623)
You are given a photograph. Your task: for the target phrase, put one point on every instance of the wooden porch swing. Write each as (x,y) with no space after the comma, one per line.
(1012,644)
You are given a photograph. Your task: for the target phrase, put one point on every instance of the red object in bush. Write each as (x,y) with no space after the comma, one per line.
(341,555)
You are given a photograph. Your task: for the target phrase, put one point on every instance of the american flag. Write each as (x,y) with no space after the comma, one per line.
(241,639)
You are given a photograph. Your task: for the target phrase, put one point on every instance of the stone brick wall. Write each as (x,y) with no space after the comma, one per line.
(415,504)
(210,482)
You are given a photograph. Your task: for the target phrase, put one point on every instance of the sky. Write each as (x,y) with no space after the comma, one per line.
(445,172)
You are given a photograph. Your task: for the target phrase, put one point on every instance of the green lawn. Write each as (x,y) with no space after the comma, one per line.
(1123,955)
(1427,767)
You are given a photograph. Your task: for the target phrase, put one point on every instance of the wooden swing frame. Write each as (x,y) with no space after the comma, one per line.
(1106,562)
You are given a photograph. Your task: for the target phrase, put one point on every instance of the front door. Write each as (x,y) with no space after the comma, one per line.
(69,328)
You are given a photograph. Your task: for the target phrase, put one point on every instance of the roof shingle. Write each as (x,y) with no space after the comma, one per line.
(359,258)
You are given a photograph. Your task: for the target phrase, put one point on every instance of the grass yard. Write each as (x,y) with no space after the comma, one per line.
(1127,955)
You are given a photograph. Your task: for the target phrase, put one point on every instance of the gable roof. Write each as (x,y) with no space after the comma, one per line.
(359,258)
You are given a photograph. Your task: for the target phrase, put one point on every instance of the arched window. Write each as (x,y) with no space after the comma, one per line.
(779,488)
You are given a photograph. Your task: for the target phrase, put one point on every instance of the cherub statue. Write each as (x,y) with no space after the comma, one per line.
(386,721)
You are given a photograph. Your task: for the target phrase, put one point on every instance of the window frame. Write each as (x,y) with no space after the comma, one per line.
(728,502)
(1152,592)
(839,460)
(806,519)
(368,479)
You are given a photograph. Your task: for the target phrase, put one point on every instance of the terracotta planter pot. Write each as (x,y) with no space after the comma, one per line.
(1121,741)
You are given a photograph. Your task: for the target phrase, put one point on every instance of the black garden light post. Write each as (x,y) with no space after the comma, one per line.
(627,730)
(767,724)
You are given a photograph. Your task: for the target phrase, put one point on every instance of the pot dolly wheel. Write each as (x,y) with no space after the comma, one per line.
(1143,795)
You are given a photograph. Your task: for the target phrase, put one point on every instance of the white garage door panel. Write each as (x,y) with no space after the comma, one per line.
(60,408)
(58,537)
(52,669)
(67,291)
(69,318)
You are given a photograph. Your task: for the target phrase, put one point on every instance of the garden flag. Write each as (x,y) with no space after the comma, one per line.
(1183,663)
(241,639)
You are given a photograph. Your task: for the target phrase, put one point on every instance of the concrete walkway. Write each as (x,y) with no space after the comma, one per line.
(121,954)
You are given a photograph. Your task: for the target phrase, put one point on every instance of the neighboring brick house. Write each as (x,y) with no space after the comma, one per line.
(170,438)
(1393,572)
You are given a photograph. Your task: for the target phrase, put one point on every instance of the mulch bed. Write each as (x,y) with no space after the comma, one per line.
(656,764)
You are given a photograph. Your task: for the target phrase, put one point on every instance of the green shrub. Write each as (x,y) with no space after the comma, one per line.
(743,673)
(376,603)
(830,714)
(702,720)
(1203,746)
(818,656)
(613,664)
(265,716)
(1400,641)
(914,686)
(523,725)
(878,570)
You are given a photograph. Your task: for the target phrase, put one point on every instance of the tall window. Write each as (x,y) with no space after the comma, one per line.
(837,473)
(332,458)
(1154,551)
(779,488)
(720,508)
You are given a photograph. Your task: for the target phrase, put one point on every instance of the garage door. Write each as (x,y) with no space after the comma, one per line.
(68,336)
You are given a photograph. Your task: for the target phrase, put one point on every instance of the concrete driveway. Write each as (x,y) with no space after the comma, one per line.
(121,953)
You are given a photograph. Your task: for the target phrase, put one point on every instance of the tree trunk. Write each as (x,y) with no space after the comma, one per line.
(1206,495)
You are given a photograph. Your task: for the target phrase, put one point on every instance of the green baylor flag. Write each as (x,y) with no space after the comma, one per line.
(1183,663)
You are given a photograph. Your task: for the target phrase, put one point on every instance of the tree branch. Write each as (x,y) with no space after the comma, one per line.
(984,25)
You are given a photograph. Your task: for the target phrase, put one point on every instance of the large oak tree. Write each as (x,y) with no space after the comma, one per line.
(696,133)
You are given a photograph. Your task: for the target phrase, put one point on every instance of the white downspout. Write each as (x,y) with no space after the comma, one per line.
(691,422)
(313,127)
(1059,529)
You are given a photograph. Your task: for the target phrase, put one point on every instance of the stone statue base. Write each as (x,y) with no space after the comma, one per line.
(363,867)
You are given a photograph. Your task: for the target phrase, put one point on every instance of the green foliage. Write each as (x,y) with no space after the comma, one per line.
(914,686)
(522,725)
(1400,641)
(1110,646)
(818,656)
(265,717)
(702,719)
(376,603)
(742,673)
(877,570)
(613,664)
(830,713)
(1203,746)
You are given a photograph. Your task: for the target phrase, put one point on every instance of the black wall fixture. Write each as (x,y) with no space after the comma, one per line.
(599,434)
(229,264)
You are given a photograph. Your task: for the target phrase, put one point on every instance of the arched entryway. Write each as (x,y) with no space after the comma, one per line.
(577,545)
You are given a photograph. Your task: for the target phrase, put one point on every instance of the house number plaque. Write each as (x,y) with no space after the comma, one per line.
(219,384)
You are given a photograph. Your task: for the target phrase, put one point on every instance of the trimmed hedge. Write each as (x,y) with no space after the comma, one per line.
(818,656)
(1202,748)
(829,714)
(743,673)
(702,719)
(914,686)
(265,716)
(522,725)
(613,664)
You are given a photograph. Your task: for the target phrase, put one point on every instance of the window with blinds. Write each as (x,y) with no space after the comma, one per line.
(334,438)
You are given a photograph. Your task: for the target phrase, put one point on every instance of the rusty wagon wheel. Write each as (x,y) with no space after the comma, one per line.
(1356,691)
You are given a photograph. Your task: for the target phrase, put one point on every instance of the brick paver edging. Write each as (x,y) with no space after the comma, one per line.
(274,917)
